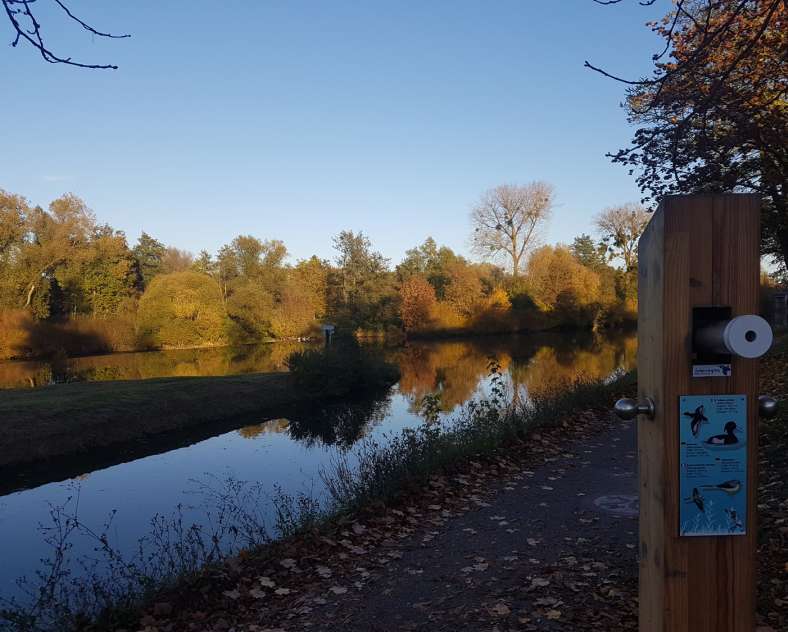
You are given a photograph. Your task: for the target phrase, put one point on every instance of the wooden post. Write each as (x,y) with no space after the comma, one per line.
(697,251)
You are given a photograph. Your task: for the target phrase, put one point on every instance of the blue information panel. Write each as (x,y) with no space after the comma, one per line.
(713,458)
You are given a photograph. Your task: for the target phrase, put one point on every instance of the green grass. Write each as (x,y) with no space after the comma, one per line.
(66,419)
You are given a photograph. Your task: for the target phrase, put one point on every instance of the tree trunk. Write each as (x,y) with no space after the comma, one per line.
(30,294)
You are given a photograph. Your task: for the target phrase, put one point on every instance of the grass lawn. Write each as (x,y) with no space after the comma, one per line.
(65,419)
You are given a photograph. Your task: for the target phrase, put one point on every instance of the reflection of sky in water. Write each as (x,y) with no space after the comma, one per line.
(265,453)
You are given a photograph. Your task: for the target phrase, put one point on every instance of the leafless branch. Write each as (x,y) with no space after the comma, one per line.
(27,27)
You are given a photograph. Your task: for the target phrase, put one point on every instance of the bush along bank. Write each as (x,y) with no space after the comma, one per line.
(166,570)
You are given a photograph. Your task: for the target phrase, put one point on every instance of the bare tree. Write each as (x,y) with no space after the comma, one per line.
(621,227)
(507,220)
(27,28)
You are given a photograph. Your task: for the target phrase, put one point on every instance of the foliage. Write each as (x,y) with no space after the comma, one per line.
(507,219)
(588,252)
(558,283)
(431,262)
(149,253)
(182,309)
(464,289)
(712,116)
(60,265)
(250,309)
(417,300)
(362,289)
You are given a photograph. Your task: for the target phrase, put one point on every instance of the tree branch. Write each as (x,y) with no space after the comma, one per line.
(20,10)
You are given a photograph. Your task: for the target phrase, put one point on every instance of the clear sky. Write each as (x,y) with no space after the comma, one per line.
(295,120)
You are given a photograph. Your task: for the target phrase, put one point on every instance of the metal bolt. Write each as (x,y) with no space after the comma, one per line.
(767,407)
(629,409)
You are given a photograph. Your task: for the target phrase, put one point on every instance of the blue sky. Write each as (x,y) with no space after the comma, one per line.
(295,120)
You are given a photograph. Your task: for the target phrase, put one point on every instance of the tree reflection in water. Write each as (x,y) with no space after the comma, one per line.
(455,370)
(340,423)
(533,364)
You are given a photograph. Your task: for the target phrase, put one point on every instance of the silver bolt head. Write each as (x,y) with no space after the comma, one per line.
(767,407)
(626,408)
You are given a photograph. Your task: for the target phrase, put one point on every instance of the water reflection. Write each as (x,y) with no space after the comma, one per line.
(457,370)
(340,423)
(534,364)
(151,364)
(288,452)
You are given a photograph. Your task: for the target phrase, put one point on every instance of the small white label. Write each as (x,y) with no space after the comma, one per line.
(711,370)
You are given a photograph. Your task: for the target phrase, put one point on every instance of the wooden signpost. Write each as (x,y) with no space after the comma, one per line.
(698,403)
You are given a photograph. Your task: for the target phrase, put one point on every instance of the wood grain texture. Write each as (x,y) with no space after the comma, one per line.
(650,436)
(708,246)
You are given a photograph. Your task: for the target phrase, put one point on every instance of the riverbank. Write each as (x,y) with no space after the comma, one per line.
(388,477)
(68,419)
(536,533)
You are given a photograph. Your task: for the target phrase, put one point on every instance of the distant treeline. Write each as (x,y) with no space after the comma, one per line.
(70,285)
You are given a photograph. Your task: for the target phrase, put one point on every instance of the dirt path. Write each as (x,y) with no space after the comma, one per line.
(536,555)
(543,540)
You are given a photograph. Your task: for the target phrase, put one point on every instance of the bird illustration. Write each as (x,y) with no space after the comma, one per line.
(729,487)
(728,438)
(697,499)
(696,419)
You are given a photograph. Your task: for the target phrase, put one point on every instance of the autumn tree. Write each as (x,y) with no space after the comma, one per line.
(14,212)
(105,277)
(712,117)
(621,227)
(464,290)
(430,261)
(588,252)
(251,274)
(559,283)
(182,309)
(417,299)
(176,260)
(56,237)
(363,294)
(312,275)
(204,263)
(507,221)
(149,253)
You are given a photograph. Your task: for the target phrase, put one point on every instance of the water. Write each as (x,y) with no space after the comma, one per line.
(288,453)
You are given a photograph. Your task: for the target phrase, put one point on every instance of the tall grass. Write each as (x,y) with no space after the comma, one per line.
(22,336)
(381,472)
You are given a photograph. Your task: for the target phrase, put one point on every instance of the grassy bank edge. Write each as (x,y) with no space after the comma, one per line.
(68,419)
(388,473)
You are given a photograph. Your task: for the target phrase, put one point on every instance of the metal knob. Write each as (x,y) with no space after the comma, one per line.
(629,408)
(767,407)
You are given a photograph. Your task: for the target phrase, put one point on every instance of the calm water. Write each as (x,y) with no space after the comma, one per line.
(288,453)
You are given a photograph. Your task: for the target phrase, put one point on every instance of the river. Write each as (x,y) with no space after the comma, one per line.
(284,454)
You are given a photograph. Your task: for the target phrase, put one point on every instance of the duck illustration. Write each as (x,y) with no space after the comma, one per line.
(728,438)
(729,487)
(696,419)
(697,499)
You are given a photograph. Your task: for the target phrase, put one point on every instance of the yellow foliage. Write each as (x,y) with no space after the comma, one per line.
(557,280)
(182,309)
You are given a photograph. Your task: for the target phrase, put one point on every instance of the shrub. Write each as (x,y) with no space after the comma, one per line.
(15,328)
(182,309)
